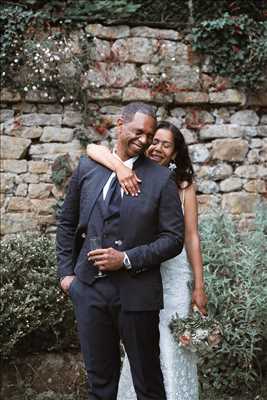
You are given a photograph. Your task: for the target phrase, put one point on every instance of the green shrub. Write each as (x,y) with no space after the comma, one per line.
(34,313)
(236,281)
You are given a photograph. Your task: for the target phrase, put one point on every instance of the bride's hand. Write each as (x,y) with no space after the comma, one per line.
(128,180)
(200,299)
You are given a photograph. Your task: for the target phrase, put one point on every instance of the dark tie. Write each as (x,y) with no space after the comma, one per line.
(113,198)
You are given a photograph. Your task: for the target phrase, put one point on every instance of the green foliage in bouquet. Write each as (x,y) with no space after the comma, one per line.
(34,314)
(236,283)
(197,333)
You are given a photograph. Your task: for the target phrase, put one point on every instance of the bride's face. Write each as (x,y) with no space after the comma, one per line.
(162,149)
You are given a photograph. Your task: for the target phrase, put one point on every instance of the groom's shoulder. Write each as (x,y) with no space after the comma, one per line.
(86,164)
(156,170)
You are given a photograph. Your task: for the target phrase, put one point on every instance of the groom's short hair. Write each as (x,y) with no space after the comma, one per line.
(128,112)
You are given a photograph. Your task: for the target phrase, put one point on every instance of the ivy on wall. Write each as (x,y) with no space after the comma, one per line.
(35,33)
(237,47)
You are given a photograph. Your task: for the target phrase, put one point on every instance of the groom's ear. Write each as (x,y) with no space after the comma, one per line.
(119,124)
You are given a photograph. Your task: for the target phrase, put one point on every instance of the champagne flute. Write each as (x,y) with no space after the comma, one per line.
(96,243)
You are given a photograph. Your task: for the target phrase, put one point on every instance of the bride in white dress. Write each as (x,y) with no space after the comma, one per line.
(182,276)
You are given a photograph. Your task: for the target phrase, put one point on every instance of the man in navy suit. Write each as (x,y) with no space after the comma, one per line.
(138,234)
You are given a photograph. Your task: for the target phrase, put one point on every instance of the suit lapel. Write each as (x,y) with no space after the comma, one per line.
(93,185)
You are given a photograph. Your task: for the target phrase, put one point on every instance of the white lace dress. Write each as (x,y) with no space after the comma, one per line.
(179,366)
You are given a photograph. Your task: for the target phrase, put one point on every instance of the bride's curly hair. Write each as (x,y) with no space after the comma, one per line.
(184,170)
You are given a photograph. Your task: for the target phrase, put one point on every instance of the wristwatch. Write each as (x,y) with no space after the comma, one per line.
(126,262)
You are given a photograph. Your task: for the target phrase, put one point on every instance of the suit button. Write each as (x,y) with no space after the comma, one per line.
(118,242)
(83,235)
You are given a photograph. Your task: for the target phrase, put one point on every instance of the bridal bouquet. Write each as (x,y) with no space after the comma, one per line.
(197,332)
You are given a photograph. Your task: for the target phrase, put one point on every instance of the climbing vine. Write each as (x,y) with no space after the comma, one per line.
(237,47)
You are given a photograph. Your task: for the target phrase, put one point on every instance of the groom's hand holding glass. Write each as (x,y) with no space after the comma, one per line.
(107,259)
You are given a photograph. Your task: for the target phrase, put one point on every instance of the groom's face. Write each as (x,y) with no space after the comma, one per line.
(135,137)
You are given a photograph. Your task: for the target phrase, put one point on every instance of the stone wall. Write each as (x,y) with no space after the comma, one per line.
(225,129)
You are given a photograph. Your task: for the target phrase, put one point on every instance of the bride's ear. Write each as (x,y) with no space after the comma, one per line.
(174,156)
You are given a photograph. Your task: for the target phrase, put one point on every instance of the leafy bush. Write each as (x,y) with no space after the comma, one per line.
(236,280)
(34,314)
(236,46)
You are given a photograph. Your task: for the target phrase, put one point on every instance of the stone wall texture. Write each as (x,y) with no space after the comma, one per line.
(225,129)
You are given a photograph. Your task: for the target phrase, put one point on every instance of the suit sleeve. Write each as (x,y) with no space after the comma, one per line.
(67,226)
(170,239)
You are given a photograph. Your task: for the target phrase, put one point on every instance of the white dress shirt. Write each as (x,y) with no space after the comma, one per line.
(129,163)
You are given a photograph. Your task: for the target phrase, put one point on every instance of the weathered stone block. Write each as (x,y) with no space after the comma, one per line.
(239,202)
(137,50)
(182,78)
(251,171)
(15,166)
(33,132)
(245,117)
(108,32)
(256,186)
(258,99)
(151,69)
(115,75)
(255,143)
(56,134)
(199,153)
(40,96)
(101,50)
(178,112)
(43,207)
(113,110)
(9,96)
(258,155)
(72,118)
(231,184)
(7,182)
(6,115)
(38,167)
(170,52)
(220,131)
(208,202)
(49,108)
(262,131)
(26,108)
(18,222)
(136,94)
(105,94)
(264,119)
(229,96)
(229,149)
(30,178)
(41,119)
(147,32)
(22,190)
(40,190)
(14,148)
(207,186)
(189,135)
(19,204)
(54,148)
(215,172)
(191,98)
(222,115)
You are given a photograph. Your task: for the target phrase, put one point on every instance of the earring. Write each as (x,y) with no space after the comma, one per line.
(172,166)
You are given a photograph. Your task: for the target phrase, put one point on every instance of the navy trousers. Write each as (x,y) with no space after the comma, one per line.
(101,325)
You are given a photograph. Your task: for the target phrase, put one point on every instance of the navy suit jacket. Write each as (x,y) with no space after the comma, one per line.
(151,228)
